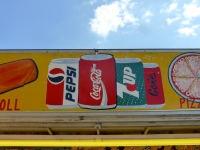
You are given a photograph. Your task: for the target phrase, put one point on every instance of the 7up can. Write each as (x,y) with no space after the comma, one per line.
(130,83)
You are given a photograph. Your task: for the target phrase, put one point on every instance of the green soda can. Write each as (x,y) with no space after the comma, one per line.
(130,83)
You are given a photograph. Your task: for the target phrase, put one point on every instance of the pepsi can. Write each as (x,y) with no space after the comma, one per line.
(62,83)
(130,83)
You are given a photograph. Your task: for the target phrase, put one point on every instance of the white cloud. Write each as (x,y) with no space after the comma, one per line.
(124,4)
(172,7)
(185,22)
(171,20)
(191,10)
(111,16)
(188,31)
(127,17)
(147,14)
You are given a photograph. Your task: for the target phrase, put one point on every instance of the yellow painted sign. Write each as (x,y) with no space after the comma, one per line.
(110,80)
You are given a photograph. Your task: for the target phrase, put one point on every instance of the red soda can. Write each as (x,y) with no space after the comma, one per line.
(97,82)
(153,86)
(62,83)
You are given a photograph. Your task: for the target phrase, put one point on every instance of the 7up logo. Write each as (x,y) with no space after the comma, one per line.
(129,85)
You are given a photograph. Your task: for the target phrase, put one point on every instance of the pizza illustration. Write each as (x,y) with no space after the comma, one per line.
(184,76)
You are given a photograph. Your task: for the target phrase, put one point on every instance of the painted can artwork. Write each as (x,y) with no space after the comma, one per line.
(81,81)
(153,86)
(130,83)
(97,87)
(62,83)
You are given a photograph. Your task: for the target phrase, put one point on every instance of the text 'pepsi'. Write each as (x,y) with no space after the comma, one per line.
(70,84)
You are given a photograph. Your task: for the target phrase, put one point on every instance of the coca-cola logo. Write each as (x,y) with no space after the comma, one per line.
(95,77)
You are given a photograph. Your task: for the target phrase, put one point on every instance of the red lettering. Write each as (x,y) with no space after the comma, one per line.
(188,106)
(182,101)
(16,101)
(192,104)
(2,104)
(199,105)
(8,105)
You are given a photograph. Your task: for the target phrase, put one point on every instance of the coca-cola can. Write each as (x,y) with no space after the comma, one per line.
(130,83)
(97,82)
(62,83)
(153,85)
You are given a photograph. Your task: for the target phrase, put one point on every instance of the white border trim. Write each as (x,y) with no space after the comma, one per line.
(127,60)
(98,107)
(65,60)
(62,106)
(96,57)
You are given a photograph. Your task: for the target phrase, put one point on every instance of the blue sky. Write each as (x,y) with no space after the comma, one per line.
(74,24)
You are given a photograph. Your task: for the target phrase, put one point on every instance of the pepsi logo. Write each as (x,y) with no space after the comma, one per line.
(56,75)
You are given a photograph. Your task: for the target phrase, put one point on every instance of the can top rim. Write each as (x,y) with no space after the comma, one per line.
(96,57)
(65,60)
(150,65)
(127,60)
